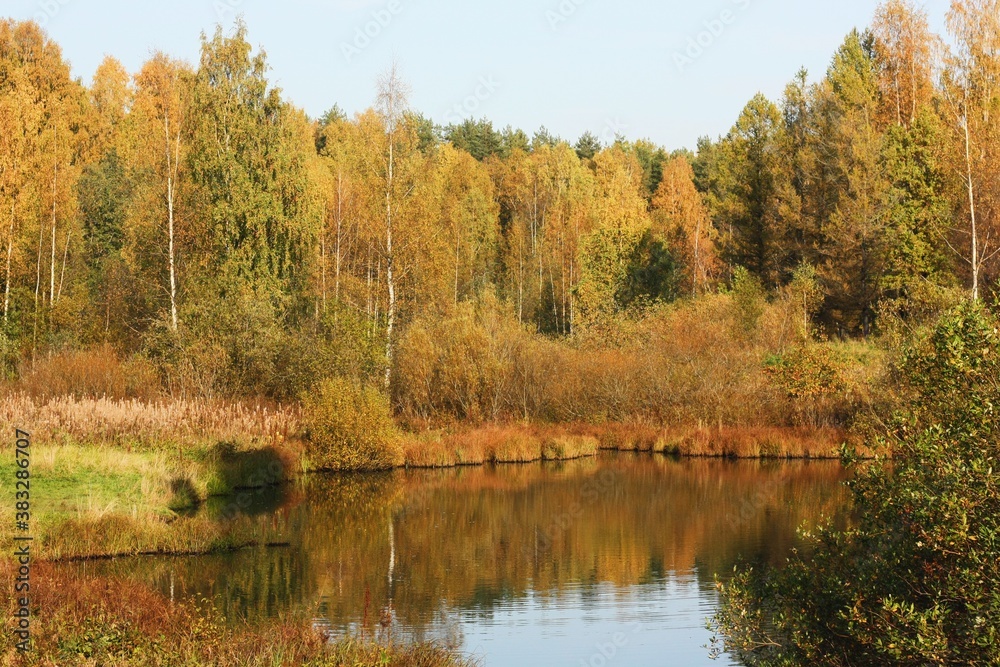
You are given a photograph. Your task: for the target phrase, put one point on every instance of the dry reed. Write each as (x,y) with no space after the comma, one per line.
(138,423)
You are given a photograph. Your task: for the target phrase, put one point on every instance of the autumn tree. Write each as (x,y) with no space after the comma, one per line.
(904,60)
(392,102)
(621,219)
(971,90)
(251,244)
(469,215)
(918,211)
(52,111)
(161,110)
(681,220)
(19,119)
(853,247)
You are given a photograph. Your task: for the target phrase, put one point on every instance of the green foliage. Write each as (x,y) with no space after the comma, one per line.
(349,426)
(252,177)
(749,298)
(917,580)
(917,208)
(608,269)
(852,74)
(104,192)
(476,137)
(654,275)
(652,159)
(748,188)
(807,295)
(587,146)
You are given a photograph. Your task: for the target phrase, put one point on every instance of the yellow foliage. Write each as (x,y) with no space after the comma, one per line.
(350,427)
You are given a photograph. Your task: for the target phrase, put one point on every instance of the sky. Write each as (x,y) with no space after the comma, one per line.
(669,71)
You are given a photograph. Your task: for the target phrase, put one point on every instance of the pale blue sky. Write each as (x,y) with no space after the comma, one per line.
(571,65)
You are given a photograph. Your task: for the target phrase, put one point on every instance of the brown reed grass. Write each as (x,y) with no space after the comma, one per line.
(135,423)
(521,444)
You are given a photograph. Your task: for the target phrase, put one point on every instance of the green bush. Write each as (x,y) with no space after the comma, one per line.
(916,581)
(349,426)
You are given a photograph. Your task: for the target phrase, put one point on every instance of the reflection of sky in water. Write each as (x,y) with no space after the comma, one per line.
(662,623)
(516,565)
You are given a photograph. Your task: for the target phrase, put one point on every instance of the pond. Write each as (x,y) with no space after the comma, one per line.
(601,561)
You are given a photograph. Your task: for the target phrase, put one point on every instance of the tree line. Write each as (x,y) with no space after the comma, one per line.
(195,215)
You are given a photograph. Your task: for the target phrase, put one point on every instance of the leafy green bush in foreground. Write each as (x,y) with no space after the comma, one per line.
(917,580)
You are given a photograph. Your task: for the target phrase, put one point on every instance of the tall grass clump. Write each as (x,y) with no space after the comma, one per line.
(154,424)
(349,426)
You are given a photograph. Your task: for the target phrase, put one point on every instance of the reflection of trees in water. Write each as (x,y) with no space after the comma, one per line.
(466,539)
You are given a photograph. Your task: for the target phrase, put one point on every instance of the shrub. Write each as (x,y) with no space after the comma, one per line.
(97,372)
(349,426)
(805,372)
(917,580)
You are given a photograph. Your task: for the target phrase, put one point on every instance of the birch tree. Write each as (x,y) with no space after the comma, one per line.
(391,102)
(163,97)
(971,90)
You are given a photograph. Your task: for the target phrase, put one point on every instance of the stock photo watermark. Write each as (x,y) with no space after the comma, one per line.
(22,540)
(712,31)
(566,10)
(763,496)
(266,477)
(606,652)
(365,35)
(48,10)
(471,104)
(226,10)
(613,130)
(593,490)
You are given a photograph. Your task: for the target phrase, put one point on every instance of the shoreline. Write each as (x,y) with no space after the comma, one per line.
(160,531)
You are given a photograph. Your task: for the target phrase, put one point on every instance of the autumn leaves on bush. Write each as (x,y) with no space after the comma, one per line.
(690,378)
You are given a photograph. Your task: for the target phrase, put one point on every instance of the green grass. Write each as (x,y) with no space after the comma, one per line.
(101,501)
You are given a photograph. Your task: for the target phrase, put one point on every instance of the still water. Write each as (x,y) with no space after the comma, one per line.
(606,561)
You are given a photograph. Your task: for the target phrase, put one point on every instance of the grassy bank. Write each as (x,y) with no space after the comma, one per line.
(81,621)
(91,499)
(117,477)
(526,443)
(496,444)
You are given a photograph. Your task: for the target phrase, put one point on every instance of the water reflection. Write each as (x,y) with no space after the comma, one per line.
(573,563)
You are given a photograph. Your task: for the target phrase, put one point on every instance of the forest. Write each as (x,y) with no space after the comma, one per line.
(192,222)
(206,290)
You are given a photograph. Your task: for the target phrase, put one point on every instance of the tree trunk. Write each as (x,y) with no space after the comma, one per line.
(172,165)
(697,258)
(340,214)
(62,274)
(10,252)
(322,261)
(520,279)
(389,278)
(38,289)
(52,263)
(972,208)
(458,250)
